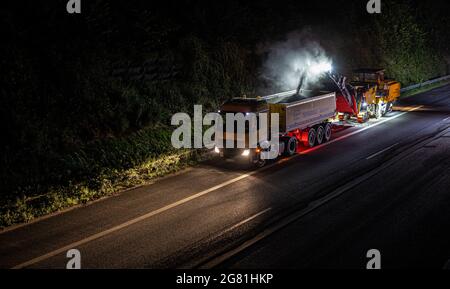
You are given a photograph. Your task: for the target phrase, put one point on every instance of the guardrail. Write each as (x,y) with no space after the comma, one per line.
(411,87)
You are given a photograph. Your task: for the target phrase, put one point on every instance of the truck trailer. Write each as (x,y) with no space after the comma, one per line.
(305,120)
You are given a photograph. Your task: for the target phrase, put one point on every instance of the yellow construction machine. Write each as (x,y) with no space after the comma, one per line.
(379,93)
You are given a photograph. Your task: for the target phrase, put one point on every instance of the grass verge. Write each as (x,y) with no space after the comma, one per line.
(106,181)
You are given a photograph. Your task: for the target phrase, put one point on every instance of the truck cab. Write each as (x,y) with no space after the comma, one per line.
(244,106)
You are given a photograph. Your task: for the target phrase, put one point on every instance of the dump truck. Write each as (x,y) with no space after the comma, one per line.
(305,120)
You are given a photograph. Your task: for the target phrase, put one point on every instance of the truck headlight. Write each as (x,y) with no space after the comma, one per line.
(217,150)
(246,153)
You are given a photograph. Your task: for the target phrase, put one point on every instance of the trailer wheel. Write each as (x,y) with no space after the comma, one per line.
(291,146)
(328,130)
(310,139)
(320,134)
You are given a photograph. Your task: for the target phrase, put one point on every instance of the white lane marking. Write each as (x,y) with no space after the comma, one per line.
(188,199)
(382,151)
(245,221)
(129,223)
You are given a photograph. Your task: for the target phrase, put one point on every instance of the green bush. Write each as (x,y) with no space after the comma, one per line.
(402,45)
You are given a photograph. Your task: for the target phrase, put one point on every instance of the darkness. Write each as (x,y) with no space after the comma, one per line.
(85,95)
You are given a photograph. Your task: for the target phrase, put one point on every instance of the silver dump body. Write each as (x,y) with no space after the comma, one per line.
(302,111)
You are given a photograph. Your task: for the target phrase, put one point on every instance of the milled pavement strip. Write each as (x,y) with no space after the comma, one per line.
(188,199)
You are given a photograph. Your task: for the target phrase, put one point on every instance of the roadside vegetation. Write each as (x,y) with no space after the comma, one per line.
(87,100)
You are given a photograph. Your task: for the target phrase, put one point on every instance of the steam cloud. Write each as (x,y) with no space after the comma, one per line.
(299,60)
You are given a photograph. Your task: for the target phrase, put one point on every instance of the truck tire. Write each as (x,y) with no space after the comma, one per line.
(328,131)
(291,147)
(309,139)
(384,109)
(378,111)
(389,106)
(371,109)
(320,135)
(364,118)
(259,163)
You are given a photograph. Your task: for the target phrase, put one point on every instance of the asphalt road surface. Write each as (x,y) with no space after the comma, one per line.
(384,185)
